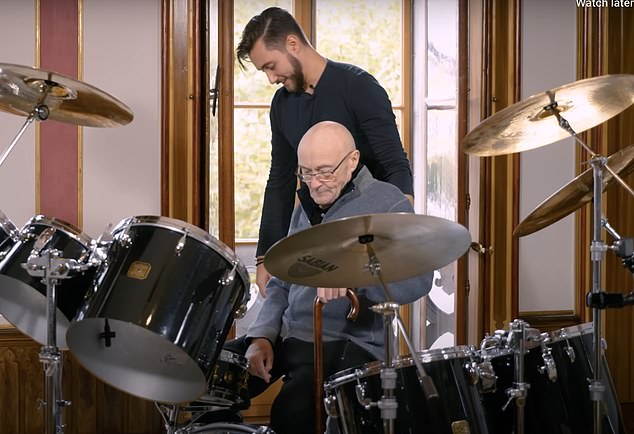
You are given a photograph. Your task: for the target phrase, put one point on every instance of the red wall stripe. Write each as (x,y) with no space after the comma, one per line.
(59,142)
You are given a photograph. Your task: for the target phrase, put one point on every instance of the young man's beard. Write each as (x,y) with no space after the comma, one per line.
(297,77)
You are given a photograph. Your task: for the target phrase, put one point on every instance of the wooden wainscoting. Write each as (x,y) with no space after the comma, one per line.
(96,408)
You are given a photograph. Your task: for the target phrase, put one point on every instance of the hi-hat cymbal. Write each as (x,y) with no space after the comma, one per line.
(532,123)
(335,254)
(23,88)
(575,194)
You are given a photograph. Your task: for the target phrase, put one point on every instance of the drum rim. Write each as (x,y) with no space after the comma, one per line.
(570,332)
(197,234)
(7,225)
(426,356)
(72,230)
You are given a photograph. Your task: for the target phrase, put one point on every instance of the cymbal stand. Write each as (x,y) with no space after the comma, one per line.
(390,312)
(517,341)
(40,112)
(597,250)
(51,267)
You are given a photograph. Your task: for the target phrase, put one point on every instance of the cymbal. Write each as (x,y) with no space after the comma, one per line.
(335,254)
(528,124)
(22,89)
(575,194)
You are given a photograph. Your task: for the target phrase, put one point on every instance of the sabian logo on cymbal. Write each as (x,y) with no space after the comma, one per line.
(308,265)
(318,263)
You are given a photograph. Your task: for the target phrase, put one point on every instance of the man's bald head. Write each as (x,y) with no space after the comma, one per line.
(327,149)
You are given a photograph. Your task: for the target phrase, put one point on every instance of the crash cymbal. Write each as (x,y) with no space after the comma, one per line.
(529,124)
(335,254)
(575,194)
(23,88)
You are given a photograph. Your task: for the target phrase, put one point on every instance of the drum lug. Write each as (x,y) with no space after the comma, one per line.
(229,276)
(330,402)
(488,379)
(360,392)
(549,367)
(180,246)
(472,370)
(42,241)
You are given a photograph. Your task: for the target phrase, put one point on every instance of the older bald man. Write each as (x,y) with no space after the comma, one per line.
(280,341)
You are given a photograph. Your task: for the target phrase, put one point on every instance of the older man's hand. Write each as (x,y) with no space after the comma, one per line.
(260,357)
(327,294)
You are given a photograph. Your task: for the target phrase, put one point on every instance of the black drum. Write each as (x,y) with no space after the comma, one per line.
(157,315)
(557,368)
(23,297)
(351,396)
(228,382)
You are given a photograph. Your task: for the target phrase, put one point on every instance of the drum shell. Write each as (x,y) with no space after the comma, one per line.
(24,297)
(456,410)
(558,403)
(169,291)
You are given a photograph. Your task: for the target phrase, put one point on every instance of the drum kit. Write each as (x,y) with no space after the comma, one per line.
(148,305)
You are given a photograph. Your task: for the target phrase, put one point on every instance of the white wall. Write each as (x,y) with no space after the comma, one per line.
(17,173)
(122,56)
(546,257)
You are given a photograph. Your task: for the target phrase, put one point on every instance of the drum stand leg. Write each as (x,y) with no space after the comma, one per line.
(389,310)
(51,268)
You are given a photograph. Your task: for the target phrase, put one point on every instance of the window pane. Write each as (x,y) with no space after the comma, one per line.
(441,201)
(252,160)
(251,85)
(366,33)
(442,49)
(252,133)
(442,168)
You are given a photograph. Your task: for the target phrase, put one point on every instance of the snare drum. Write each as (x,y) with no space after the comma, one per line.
(228,382)
(23,298)
(162,303)
(351,395)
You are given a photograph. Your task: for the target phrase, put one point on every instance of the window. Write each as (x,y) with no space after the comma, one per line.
(384,37)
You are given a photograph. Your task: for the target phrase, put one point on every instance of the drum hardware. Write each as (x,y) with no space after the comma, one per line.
(51,267)
(549,367)
(517,341)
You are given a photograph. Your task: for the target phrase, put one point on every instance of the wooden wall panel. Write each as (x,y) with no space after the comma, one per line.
(96,407)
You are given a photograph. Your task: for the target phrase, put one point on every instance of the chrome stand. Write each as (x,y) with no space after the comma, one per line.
(517,341)
(597,249)
(48,265)
(389,310)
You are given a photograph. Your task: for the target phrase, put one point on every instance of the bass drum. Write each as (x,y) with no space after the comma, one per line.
(161,305)
(349,394)
(23,297)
